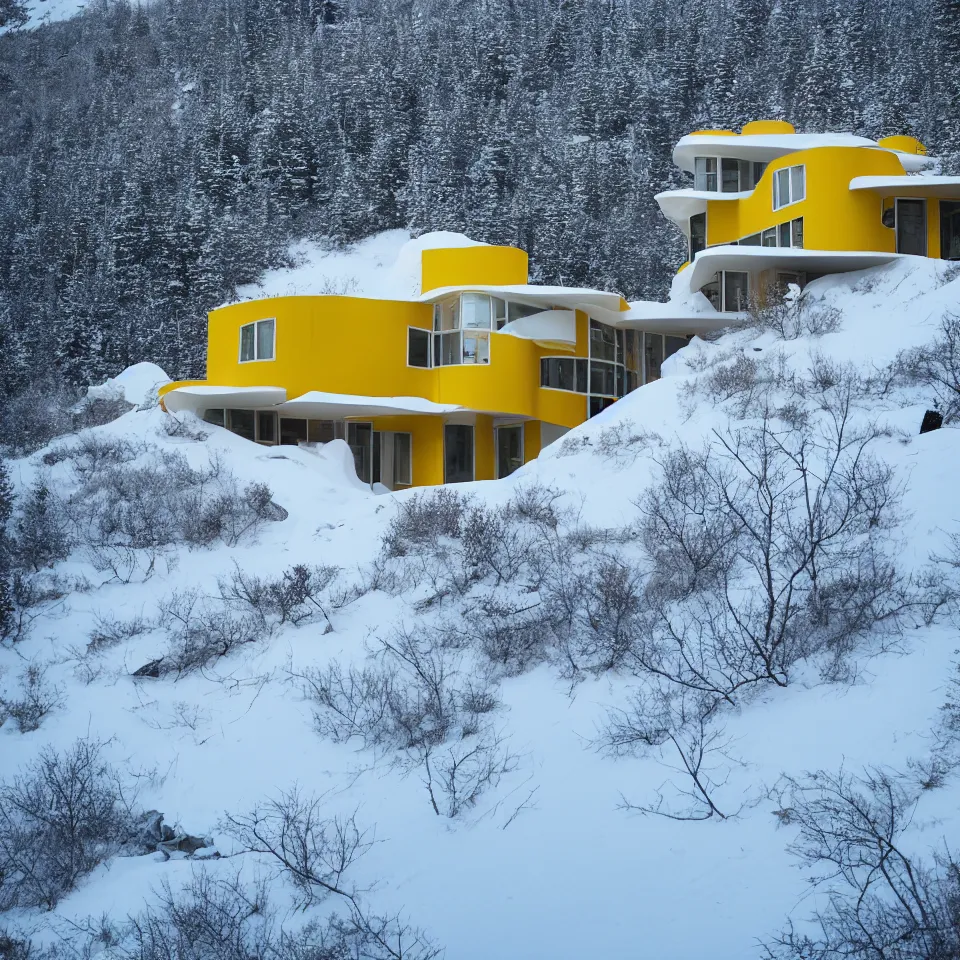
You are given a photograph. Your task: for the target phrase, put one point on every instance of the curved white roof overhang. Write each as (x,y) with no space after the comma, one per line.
(675,319)
(316,404)
(572,298)
(916,186)
(199,397)
(752,259)
(680,205)
(766,147)
(551,326)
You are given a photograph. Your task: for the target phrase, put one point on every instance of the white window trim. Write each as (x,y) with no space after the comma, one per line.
(430,335)
(791,202)
(256,359)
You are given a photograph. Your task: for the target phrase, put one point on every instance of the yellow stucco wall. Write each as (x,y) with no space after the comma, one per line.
(463,266)
(427,445)
(531,440)
(834,216)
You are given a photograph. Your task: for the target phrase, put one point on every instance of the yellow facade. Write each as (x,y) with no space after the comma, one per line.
(858,196)
(341,353)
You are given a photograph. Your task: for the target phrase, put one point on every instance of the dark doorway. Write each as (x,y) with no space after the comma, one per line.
(912,227)
(509,449)
(698,234)
(457,453)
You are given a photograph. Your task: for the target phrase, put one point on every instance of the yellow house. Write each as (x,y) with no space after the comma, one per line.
(468,381)
(770,207)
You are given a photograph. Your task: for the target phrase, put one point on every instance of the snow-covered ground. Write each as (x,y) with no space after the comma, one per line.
(564,874)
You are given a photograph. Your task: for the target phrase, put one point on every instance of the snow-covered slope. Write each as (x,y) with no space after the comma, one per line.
(546,864)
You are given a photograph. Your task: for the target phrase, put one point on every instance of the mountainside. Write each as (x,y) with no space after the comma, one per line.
(155,157)
(481,688)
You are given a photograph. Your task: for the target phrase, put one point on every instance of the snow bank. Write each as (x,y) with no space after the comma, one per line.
(137,385)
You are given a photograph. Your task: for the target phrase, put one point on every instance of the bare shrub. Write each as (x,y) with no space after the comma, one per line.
(936,367)
(202,630)
(423,520)
(792,316)
(31,596)
(41,536)
(34,699)
(184,427)
(109,631)
(621,443)
(678,727)
(512,635)
(64,815)
(301,594)
(879,901)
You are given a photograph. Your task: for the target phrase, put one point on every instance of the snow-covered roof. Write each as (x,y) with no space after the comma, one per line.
(738,257)
(919,185)
(582,298)
(320,405)
(680,205)
(556,326)
(198,397)
(769,146)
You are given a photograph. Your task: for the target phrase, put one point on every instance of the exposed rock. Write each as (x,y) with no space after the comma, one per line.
(932,420)
(151,669)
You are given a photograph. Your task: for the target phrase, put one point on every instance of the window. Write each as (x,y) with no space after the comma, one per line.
(266,426)
(499,312)
(517,310)
(653,355)
(564,373)
(475,310)
(673,344)
(712,292)
(418,347)
(457,453)
(476,348)
(698,234)
(360,439)
(752,241)
(912,227)
(783,237)
(750,174)
(402,459)
(446,315)
(292,431)
(603,378)
(603,344)
(705,174)
(729,176)
(509,449)
(796,232)
(789,186)
(735,289)
(243,423)
(256,340)
(949,230)
(323,431)
(446,349)
(217,417)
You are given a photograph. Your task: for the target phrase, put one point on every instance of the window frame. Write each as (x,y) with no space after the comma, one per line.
(496,447)
(256,341)
(429,334)
(788,172)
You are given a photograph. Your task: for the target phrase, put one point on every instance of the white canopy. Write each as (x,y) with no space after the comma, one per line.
(738,257)
(332,406)
(680,205)
(200,397)
(920,185)
(677,318)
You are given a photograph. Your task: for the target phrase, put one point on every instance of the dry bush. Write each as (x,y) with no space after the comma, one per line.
(33,700)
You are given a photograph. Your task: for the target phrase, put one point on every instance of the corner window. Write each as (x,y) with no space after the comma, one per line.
(564,373)
(257,340)
(789,186)
(446,349)
(499,312)
(476,347)
(418,347)
(475,310)
(402,459)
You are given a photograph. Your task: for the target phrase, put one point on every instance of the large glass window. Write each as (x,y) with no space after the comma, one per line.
(698,234)
(292,431)
(499,312)
(360,439)
(796,232)
(446,349)
(402,459)
(912,227)
(705,174)
(735,290)
(216,416)
(672,345)
(949,230)
(789,186)
(457,453)
(509,449)
(418,347)
(257,340)
(446,315)
(603,343)
(603,378)
(475,310)
(729,176)
(267,426)
(653,355)
(243,423)
(564,373)
(476,348)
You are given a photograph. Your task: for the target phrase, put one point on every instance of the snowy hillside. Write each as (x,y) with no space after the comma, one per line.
(433,691)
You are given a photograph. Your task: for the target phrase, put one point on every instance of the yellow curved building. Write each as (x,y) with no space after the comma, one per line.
(770,207)
(468,381)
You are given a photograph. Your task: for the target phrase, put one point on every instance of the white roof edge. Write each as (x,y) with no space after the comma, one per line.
(938,185)
(529,291)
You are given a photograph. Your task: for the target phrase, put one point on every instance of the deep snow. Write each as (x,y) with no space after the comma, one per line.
(572,876)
